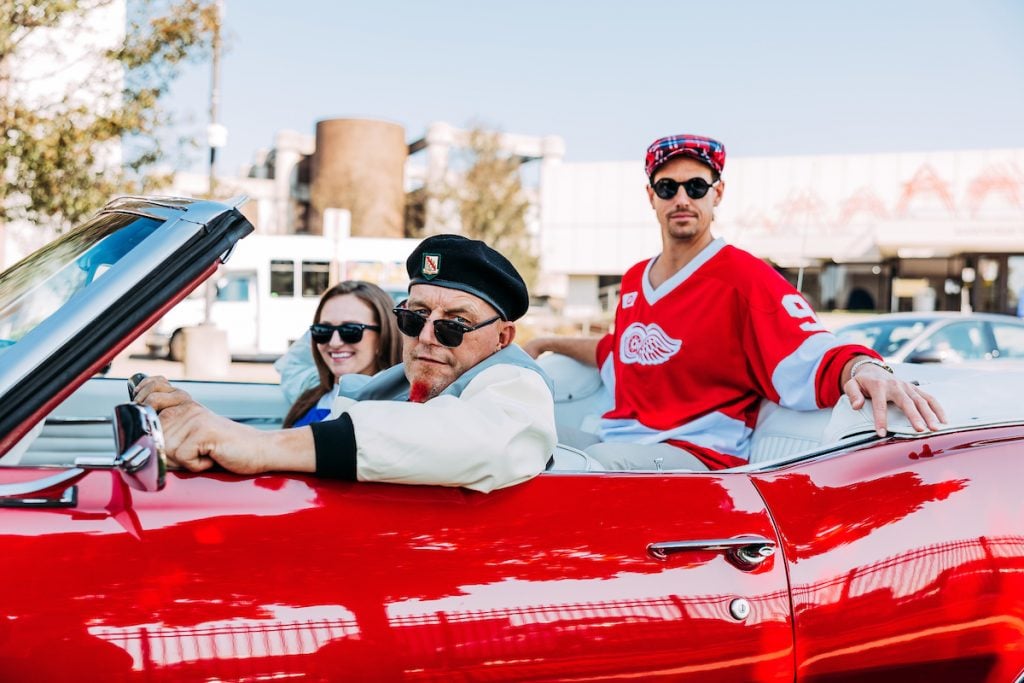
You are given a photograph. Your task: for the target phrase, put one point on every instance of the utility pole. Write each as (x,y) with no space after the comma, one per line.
(206,353)
(217,136)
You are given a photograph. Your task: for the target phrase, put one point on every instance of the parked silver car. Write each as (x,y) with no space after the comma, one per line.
(940,337)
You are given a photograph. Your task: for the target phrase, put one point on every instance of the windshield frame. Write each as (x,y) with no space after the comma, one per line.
(41,284)
(64,323)
(59,353)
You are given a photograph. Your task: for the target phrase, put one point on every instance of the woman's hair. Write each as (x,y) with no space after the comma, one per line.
(389,341)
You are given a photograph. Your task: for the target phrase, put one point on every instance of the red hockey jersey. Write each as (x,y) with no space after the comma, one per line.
(689,362)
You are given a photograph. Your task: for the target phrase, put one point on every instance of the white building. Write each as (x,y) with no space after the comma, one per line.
(900,231)
(884,232)
(274,184)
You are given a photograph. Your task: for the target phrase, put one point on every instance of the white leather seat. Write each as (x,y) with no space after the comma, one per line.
(569,459)
(781,432)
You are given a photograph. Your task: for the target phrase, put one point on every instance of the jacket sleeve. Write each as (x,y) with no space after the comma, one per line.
(797,362)
(605,361)
(828,385)
(296,368)
(499,432)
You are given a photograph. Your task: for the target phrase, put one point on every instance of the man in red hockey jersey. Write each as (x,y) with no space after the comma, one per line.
(704,331)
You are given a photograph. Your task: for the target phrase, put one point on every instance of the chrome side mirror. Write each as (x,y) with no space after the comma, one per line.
(140,461)
(140,447)
(140,457)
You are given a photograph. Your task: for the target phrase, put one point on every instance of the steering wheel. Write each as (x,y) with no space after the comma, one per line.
(133,384)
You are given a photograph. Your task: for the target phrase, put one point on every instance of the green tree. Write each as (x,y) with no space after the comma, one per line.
(66,153)
(491,203)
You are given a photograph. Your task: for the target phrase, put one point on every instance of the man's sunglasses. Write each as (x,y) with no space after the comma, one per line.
(666,188)
(448,332)
(350,333)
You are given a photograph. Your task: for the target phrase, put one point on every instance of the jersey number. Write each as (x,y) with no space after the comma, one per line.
(798,308)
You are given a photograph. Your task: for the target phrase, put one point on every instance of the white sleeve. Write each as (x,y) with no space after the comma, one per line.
(499,432)
(296,368)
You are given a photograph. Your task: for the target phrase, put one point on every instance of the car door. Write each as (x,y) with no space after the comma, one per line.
(905,559)
(226,577)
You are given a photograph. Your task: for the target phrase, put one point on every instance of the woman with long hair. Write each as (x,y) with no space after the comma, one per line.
(353,331)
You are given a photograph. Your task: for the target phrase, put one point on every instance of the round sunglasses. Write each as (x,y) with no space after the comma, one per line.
(695,188)
(448,332)
(350,333)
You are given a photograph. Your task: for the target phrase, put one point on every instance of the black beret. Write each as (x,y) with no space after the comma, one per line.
(457,262)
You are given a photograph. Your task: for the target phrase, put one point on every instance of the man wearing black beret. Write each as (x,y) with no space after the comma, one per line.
(460,372)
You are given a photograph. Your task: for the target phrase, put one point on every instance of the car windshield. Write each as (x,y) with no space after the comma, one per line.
(32,289)
(885,337)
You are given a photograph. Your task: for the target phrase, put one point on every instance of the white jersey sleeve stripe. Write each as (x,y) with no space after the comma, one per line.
(794,376)
(608,373)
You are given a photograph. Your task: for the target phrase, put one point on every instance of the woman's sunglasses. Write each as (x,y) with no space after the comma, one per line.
(696,188)
(350,333)
(448,332)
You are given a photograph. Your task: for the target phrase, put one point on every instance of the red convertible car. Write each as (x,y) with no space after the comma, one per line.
(835,555)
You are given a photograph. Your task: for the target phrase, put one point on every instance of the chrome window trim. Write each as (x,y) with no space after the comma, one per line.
(173,201)
(134,212)
(71,421)
(60,421)
(193,210)
(166,201)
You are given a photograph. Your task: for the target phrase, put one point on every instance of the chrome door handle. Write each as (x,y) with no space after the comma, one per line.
(746,552)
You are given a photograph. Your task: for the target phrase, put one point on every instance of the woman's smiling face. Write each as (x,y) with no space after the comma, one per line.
(342,358)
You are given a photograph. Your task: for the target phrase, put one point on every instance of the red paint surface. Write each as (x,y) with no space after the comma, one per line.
(902,567)
(234,577)
(912,562)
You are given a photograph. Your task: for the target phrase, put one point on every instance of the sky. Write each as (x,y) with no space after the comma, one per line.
(768,78)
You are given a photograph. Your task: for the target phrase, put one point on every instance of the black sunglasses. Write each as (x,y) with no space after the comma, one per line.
(666,188)
(350,333)
(448,332)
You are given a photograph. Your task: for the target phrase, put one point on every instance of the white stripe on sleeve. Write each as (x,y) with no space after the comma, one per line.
(794,376)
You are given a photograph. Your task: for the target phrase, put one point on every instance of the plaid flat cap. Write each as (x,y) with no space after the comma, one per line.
(709,152)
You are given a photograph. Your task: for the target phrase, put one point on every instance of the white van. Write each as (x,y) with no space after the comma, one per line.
(268,290)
